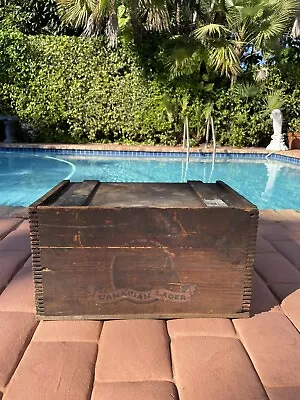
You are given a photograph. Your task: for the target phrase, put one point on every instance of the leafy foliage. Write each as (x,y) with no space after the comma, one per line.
(32,16)
(76,89)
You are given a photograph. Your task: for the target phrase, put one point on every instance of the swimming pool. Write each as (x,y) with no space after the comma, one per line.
(25,176)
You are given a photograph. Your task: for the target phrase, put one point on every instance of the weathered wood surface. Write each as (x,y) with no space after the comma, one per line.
(135,195)
(77,194)
(143,250)
(97,227)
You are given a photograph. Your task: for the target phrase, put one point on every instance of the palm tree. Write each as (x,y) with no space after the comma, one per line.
(94,16)
(235,29)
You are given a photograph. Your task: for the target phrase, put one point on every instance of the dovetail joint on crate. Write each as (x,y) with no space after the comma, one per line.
(36,262)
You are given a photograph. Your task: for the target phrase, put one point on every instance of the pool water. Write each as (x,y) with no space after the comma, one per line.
(24,177)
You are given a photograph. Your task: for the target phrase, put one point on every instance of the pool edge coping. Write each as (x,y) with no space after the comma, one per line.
(289,156)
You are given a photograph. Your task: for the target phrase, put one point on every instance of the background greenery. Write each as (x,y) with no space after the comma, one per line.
(72,89)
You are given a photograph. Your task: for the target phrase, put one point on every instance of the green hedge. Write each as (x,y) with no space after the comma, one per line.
(75,90)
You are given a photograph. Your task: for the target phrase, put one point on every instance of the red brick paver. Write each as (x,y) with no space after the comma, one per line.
(283,290)
(7,225)
(192,359)
(16,330)
(68,331)
(262,298)
(201,327)
(19,294)
(54,370)
(135,391)
(275,268)
(214,368)
(18,239)
(10,262)
(291,308)
(133,351)
(273,345)
(290,250)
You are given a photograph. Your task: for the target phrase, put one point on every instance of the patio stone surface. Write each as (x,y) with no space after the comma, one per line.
(214,368)
(133,351)
(290,307)
(68,331)
(290,250)
(283,290)
(148,390)
(201,327)
(256,358)
(262,298)
(275,268)
(263,246)
(16,330)
(17,240)
(273,345)
(19,294)
(11,262)
(54,370)
(8,224)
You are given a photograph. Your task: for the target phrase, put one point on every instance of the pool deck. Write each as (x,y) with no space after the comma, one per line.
(147,148)
(210,359)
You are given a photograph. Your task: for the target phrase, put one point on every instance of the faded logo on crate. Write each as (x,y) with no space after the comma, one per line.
(143,280)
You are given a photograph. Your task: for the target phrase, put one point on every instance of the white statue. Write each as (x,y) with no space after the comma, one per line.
(277,142)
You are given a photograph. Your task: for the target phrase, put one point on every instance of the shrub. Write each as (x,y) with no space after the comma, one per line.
(76,90)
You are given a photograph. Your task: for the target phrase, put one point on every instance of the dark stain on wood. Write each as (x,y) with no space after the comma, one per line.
(117,250)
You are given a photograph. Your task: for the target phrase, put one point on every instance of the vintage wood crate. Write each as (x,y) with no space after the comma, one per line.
(134,250)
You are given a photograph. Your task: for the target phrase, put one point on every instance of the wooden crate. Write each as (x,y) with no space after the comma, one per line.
(135,250)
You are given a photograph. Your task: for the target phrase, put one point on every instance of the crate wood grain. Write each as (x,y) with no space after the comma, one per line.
(142,250)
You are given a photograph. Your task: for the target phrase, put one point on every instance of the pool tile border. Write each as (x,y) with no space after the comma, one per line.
(146,153)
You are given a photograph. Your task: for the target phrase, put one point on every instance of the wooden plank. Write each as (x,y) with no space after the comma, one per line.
(42,317)
(219,194)
(84,294)
(146,195)
(140,260)
(233,198)
(93,227)
(207,194)
(145,281)
(77,194)
(54,193)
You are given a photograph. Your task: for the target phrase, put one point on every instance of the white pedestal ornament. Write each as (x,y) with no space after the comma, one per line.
(277,140)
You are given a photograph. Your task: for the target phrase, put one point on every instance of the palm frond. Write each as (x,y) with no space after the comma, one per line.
(223,59)
(156,14)
(168,107)
(75,12)
(101,8)
(274,101)
(185,57)
(211,31)
(246,90)
(208,110)
(90,15)
(296,29)
(275,22)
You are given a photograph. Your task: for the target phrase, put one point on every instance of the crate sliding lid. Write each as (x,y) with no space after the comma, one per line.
(194,194)
(133,250)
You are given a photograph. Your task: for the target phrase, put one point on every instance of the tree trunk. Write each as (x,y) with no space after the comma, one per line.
(135,20)
(178,15)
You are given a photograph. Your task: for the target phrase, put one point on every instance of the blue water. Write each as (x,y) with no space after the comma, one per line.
(24,177)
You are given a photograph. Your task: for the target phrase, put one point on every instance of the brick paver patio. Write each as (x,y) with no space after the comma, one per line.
(209,359)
